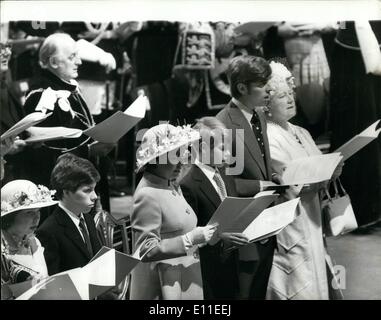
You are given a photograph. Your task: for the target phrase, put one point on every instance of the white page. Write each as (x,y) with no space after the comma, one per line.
(272,220)
(101,271)
(359,141)
(42,134)
(311,169)
(235,214)
(25,123)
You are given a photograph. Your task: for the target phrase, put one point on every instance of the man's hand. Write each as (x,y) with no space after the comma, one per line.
(108,61)
(12,145)
(277,178)
(233,238)
(100,149)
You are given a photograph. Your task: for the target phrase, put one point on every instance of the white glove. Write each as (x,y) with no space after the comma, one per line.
(201,235)
(107,60)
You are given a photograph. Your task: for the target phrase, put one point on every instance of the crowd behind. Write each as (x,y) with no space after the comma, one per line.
(51,190)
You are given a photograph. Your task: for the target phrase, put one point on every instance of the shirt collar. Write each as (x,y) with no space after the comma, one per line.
(207,170)
(72,215)
(59,83)
(247,112)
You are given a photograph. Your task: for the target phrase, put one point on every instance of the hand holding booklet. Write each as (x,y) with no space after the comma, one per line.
(359,141)
(235,214)
(116,126)
(272,221)
(107,269)
(311,169)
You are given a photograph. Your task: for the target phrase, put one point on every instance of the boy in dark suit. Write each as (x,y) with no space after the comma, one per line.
(69,234)
(204,187)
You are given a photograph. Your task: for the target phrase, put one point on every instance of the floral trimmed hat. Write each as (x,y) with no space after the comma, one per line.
(162,139)
(24,195)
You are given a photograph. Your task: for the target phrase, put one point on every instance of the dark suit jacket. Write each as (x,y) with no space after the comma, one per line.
(219,271)
(63,243)
(255,167)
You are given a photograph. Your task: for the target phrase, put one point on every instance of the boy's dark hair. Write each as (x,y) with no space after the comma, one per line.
(247,69)
(71,172)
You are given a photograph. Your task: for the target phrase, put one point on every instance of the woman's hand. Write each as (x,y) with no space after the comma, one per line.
(202,235)
(234,238)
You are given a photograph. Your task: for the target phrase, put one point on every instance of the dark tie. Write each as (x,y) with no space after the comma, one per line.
(257,128)
(85,234)
(220,184)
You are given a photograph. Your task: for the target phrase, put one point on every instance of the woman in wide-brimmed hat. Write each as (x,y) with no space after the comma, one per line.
(22,256)
(163,223)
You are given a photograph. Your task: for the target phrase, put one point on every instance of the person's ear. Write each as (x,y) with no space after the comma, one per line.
(53,62)
(65,193)
(242,89)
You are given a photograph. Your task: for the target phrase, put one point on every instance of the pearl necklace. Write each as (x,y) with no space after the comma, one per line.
(289,130)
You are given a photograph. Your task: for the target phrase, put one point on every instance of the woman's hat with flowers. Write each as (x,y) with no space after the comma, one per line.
(162,139)
(24,195)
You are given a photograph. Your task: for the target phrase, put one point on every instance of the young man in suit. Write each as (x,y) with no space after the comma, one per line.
(204,187)
(69,235)
(248,76)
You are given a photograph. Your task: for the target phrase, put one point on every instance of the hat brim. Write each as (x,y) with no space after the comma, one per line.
(149,159)
(32,206)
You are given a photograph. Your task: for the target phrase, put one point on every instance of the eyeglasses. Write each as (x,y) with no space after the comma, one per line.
(5,50)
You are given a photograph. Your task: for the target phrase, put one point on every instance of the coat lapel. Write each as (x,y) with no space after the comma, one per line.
(205,186)
(72,232)
(251,145)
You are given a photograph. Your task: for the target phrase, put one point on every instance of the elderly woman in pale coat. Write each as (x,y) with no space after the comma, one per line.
(299,265)
(163,224)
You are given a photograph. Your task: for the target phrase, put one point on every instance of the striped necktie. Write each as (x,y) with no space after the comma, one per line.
(85,234)
(220,184)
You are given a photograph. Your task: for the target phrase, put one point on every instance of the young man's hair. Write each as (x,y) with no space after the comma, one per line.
(209,128)
(247,69)
(72,172)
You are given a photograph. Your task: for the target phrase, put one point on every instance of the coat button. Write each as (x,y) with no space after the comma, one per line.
(187,211)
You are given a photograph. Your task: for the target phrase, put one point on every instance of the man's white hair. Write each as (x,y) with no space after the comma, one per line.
(50,47)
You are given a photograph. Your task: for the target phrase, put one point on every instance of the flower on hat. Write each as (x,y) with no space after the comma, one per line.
(21,199)
(162,142)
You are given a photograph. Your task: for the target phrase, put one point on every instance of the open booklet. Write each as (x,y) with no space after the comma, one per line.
(272,221)
(311,169)
(116,126)
(106,270)
(235,214)
(42,134)
(359,141)
(25,123)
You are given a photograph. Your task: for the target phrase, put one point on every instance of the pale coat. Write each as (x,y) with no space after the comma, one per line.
(299,268)
(160,217)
